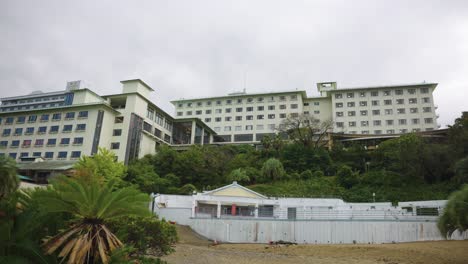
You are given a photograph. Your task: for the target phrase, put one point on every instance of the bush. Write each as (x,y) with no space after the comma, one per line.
(346,177)
(144,233)
(306,175)
(455,215)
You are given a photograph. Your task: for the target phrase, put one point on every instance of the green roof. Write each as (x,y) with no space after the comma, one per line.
(46,165)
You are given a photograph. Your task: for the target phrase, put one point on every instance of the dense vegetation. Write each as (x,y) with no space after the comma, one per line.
(400,169)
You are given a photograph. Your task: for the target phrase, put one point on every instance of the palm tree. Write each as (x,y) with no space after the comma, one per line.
(92,203)
(9,181)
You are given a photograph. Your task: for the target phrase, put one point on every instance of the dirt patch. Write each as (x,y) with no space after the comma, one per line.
(195,249)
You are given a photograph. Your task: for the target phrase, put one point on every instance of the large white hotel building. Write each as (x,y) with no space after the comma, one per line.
(243,117)
(64,125)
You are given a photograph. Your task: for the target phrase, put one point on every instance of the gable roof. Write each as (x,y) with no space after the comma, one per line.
(234,189)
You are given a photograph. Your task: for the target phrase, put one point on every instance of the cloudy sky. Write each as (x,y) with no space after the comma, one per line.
(205,48)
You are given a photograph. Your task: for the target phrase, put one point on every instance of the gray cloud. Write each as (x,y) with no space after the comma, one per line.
(204,48)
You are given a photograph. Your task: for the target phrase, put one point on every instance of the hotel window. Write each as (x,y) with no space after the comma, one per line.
(427,109)
(365,132)
(62,155)
(32,118)
(282,98)
(375,112)
(249,109)
(39,142)
(376,122)
(228,101)
(70,115)
(271,107)
(26,143)
(400,101)
(249,100)
(387,102)
(426,100)
(189,104)
(351,104)
(316,112)
(238,118)
(3,144)
(411,91)
(293,106)
(424,90)
(293,97)
(208,103)
(316,103)
(375,102)
(390,131)
(53,129)
(198,112)
(260,99)
(362,94)
(65,141)
(428,120)
(199,103)
(338,96)
(218,102)
(227,110)
(388,111)
(259,127)
(67,128)
(260,117)
(119,119)
(207,112)
(179,113)
(217,119)
(364,112)
(238,128)
(207,119)
(80,127)
(51,142)
(228,118)
(117,132)
(398,92)
(115,145)
(415,121)
(282,107)
(78,141)
(84,114)
(413,100)
(282,115)
(75,154)
(239,101)
(363,103)
(260,108)
(18,132)
(364,123)
(24,154)
(248,127)
(56,117)
(413,110)
(387,93)
(350,95)
(389,122)
(402,131)
(271,116)
(402,121)
(401,111)
(338,105)
(9,121)
(306,104)
(374,93)
(20,119)
(218,111)
(351,113)
(42,130)
(271,99)
(339,124)
(189,113)
(306,112)
(249,117)
(15,143)
(239,109)
(352,124)
(339,113)
(29,131)
(49,155)
(44,118)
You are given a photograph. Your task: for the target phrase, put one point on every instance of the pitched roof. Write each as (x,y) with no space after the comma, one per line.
(234,186)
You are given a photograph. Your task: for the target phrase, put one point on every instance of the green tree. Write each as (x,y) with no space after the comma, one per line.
(9,181)
(306,130)
(346,177)
(92,204)
(455,216)
(272,170)
(239,175)
(102,165)
(461,171)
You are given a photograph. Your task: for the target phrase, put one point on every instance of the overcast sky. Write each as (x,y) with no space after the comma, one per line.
(200,48)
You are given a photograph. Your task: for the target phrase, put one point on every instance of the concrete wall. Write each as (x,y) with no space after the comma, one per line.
(318,232)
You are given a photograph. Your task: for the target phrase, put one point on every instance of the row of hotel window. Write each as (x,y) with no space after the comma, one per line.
(240,100)
(158,118)
(247,128)
(384,93)
(414,121)
(391,131)
(386,102)
(42,130)
(51,142)
(44,117)
(387,111)
(47,155)
(158,133)
(238,109)
(35,100)
(28,107)
(251,117)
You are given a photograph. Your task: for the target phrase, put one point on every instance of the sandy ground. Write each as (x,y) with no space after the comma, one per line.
(194,249)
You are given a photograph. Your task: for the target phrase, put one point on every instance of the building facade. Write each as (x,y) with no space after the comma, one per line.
(63,126)
(246,118)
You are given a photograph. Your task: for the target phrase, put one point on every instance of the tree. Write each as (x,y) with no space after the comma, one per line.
(92,204)
(102,165)
(239,175)
(346,177)
(461,171)
(455,215)
(306,130)
(272,170)
(9,181)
